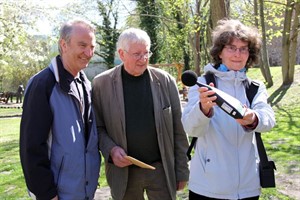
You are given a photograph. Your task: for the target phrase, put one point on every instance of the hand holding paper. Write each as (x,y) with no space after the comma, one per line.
(139,163)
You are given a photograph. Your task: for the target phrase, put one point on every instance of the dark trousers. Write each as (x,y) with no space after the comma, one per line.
(151,182)
(194,196)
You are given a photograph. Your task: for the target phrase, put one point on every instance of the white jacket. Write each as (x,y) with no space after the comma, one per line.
(225,163)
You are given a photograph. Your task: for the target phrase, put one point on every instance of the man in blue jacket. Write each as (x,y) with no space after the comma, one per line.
(58,137)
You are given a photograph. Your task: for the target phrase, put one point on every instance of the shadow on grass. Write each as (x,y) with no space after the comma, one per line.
(278,94)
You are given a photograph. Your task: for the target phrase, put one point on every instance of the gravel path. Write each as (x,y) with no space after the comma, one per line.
(103,194)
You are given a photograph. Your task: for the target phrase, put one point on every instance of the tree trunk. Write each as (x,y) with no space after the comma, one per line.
(265,63)
(256,14)
(196,42)
(218,10)
(294,37)
(286,43)
(150,25)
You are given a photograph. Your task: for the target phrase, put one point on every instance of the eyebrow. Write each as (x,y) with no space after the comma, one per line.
(236,46)
(81,42)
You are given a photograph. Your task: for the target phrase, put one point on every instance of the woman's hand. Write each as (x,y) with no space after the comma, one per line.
(207,99)
(249,119)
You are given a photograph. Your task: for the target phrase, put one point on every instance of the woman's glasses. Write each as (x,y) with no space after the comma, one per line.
(233,49)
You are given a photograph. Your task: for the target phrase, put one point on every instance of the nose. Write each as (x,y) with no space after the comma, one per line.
(89,52)
(143,57)
(238,52)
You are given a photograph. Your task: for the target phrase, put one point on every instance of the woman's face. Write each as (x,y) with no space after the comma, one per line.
(235,55)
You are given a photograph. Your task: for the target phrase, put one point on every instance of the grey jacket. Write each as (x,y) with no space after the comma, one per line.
(108,101)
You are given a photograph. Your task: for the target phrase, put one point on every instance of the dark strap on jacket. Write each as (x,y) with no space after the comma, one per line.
(261,151)
(251,90)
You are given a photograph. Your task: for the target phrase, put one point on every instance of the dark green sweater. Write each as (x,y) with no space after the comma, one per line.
(141,133)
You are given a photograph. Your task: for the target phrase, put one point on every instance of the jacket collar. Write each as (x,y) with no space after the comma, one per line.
(62,76)
(227,75)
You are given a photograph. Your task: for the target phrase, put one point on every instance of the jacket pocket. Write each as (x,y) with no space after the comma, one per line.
(168,122)
(60,170)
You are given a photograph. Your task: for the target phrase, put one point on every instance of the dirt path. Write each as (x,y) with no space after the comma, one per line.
(103,194)
(286,184)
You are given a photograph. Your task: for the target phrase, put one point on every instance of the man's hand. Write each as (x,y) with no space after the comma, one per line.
(180,185)
(117,154)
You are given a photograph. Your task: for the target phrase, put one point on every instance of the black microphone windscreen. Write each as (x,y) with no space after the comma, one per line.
(189,78)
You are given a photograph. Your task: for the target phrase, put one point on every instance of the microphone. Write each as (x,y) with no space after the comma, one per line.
(226,102)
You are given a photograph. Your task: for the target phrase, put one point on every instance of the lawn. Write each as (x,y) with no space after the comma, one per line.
(282,144)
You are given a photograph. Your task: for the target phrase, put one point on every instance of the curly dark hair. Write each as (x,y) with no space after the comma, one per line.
(229,29)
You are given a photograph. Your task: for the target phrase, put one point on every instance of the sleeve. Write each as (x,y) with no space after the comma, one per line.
(195,123)
(180,138)
(34,131)
(263,110)
(105,142)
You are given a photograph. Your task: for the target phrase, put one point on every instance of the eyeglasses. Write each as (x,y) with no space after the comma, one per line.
(232,49)
(138,56)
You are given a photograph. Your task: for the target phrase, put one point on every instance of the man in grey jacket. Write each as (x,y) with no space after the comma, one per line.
(138,113)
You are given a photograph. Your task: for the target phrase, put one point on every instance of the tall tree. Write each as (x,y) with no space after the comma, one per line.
(183,46)
(108,33)
(218,10)
(265,66)
(288,65)
(149,22)
(21,53)
(294,39)
(256,14)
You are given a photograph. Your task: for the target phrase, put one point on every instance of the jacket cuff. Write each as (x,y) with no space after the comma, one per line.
(210,112)
(253,125)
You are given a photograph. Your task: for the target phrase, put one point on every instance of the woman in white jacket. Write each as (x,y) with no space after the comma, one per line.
(225,163)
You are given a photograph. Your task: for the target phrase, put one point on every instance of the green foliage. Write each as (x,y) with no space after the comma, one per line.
(273,11)
(148,10)
(107,32)
(21,54)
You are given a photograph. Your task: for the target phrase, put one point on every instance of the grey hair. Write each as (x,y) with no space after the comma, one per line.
(67,28)
(133,36)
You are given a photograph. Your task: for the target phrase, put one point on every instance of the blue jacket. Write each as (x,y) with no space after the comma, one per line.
(55,156)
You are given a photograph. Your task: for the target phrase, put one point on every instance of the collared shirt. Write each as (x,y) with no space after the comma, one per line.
(80,94)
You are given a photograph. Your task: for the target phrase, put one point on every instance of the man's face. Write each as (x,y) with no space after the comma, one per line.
(135,59)
(77,53)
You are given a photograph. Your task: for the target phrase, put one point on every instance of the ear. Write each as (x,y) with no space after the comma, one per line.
(63,45)
(121,54)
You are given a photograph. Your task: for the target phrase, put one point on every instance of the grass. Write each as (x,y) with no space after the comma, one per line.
(282,143)
(4,112)
(12,185)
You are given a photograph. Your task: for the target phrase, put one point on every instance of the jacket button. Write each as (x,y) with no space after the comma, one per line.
(86,183)
(208,160)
